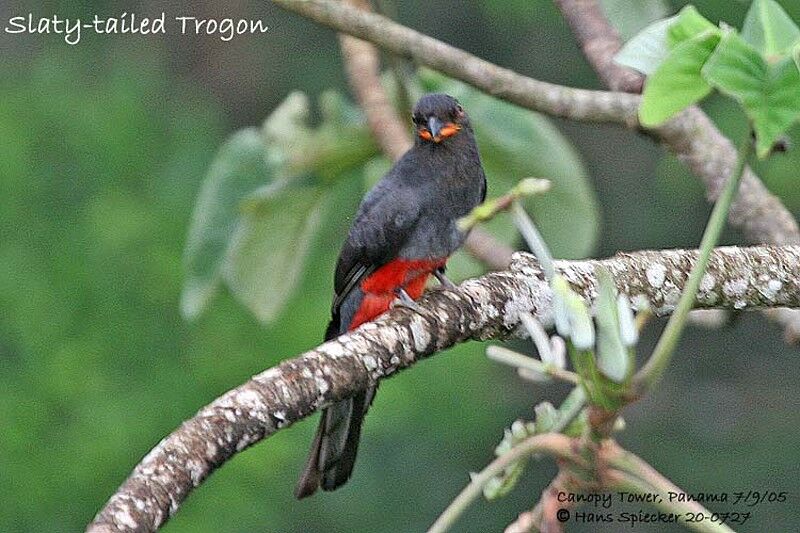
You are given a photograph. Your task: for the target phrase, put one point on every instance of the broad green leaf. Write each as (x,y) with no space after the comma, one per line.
(631,16)
(689,24)
(285,130)
(648,49)
(514,144)
(612,356)
(339,143)
(678,82)
(770,29)
(272,240)
(769,93)
(238,168)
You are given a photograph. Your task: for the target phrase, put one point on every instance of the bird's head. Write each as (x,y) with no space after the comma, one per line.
(438,117)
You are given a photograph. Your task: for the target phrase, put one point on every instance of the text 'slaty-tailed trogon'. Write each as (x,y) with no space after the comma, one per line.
(404,231)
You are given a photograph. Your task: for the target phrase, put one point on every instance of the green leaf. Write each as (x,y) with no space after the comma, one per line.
(271,243)
(648,49)
(631,16)
(514,144)
(796,55)
(770,29)
(339,143)
(652,46)
(677,83)
(769,93)
(689,24)
(612,356)
(238,168)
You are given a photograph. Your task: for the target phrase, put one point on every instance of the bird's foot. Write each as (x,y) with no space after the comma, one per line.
(444,280)
(404,300)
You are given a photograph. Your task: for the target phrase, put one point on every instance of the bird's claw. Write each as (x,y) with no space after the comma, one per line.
(444,280)
(404,300)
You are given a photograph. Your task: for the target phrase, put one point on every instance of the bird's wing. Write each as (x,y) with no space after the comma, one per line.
(483,187)
(382,227)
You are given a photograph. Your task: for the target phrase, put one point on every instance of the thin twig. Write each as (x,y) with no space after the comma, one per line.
(631,473)
(553,444)
(662,353)
(520,361)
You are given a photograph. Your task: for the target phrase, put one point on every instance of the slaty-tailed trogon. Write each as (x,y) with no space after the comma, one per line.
(404,231)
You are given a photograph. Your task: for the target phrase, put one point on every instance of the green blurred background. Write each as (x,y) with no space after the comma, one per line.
(103,147)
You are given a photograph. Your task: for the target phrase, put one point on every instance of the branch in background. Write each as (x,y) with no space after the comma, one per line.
(691,136)
(697,142)
(482,308)
(557,100)
(362,65)
(599,41)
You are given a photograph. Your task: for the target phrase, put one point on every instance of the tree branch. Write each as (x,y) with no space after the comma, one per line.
(557,100)
(362,64)
(482,308)
(599,41)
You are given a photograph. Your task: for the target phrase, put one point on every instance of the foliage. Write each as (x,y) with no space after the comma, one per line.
(687,56)
(263,202)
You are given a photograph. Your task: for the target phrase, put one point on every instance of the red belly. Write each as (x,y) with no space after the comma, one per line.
(380,286)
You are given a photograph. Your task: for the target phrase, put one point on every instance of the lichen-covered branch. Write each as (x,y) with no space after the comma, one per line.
(482,308)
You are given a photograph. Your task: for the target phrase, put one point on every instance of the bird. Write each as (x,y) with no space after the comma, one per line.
(404,231)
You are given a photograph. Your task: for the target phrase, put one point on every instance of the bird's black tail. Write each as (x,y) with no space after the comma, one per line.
(333,451)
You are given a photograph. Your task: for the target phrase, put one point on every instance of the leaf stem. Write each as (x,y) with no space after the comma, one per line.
(491,207)
(521,361)
(654,369)
(534,240)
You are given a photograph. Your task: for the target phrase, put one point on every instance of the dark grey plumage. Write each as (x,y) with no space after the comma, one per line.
(411,213)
